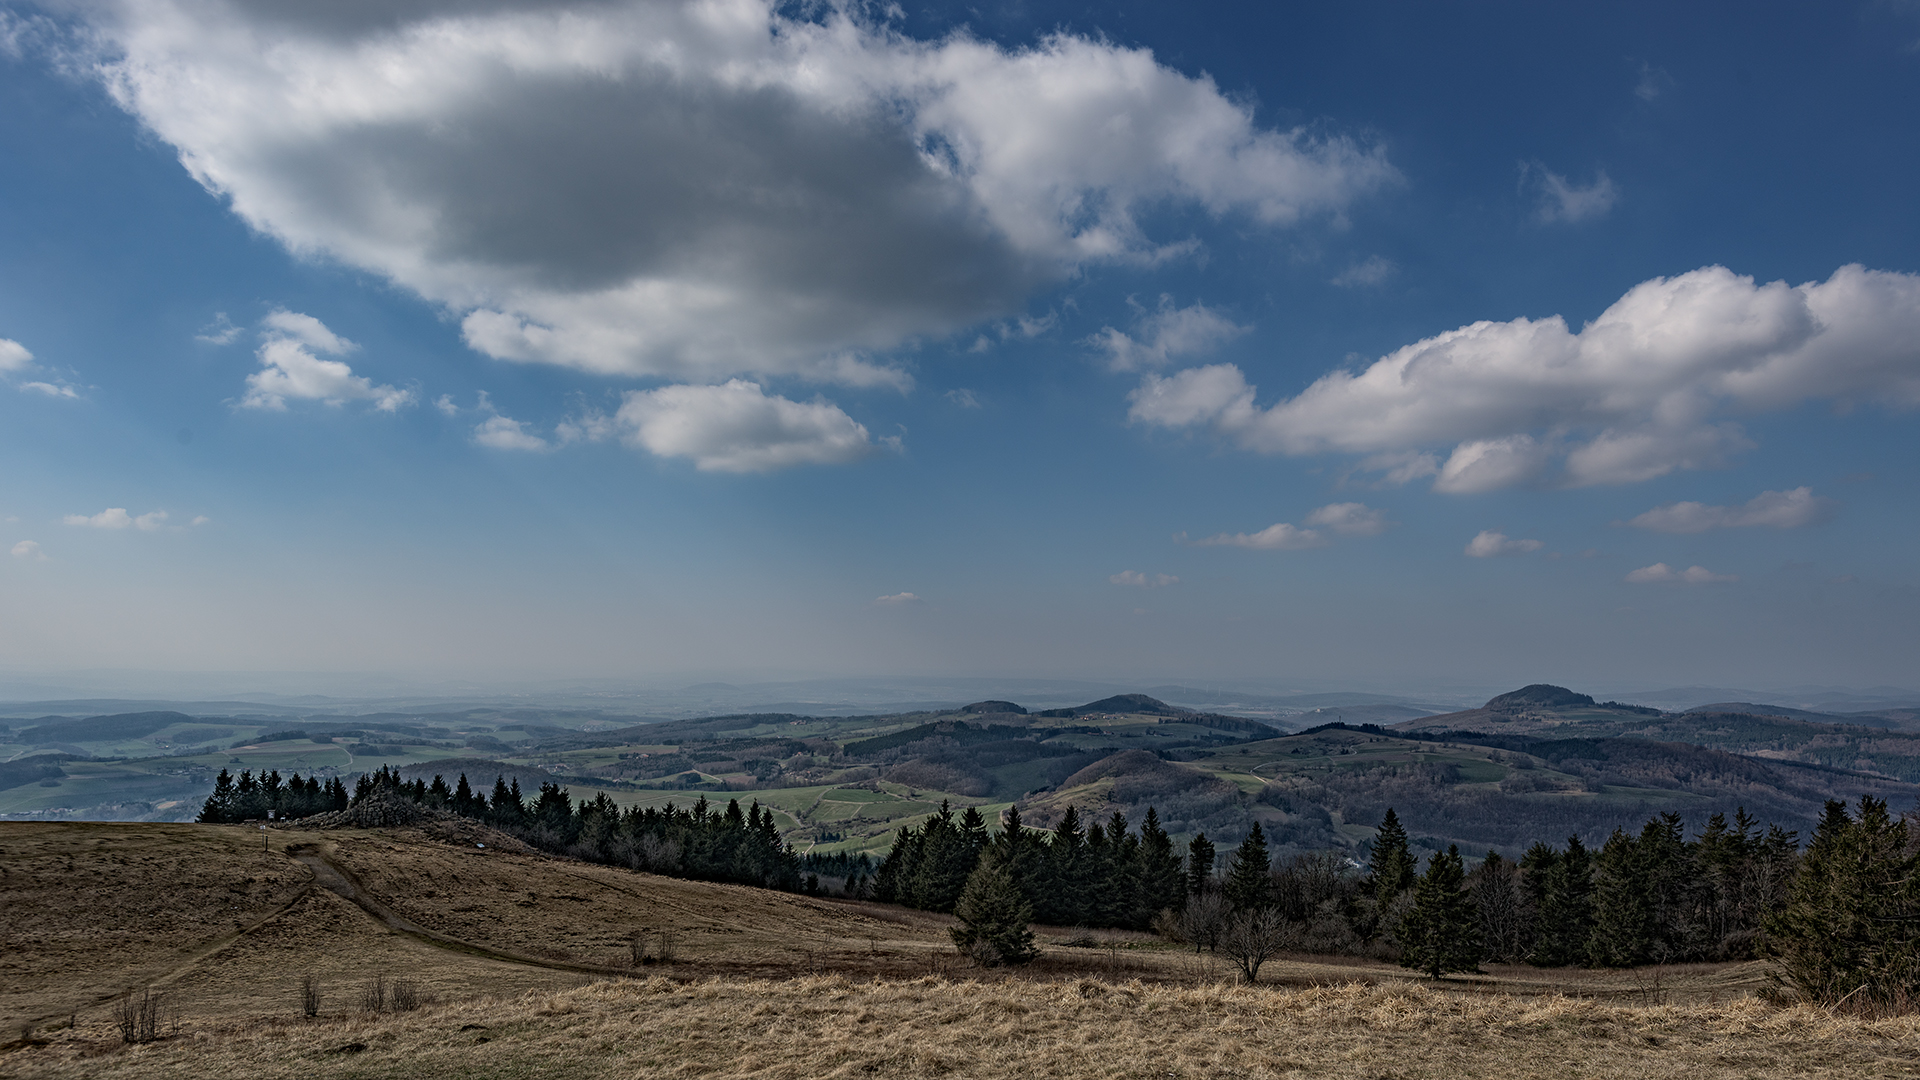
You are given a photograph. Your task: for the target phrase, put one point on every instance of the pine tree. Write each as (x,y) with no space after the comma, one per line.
(1063,885)
(1565,919)
(1200,860)
(995,917)
(1162,887)
(1391,867)
(1850,930)
(1441,932)
(219,805)
(1247,886)
(1622,906)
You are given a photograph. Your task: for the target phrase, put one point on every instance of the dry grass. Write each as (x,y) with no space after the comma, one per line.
(833,1027)
(526,966)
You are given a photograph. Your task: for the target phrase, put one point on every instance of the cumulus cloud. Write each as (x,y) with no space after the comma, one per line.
(29,550)
(697,189)
(1374,270)
(117,518)
(1338,519)
(13,355)
(735,427)
(1165,333)
(1649,387)
(1662,574)
(505,433)
(289,368)
(1490,543)
(1773,509)
(1562,200)
(1138,580)
(900,599)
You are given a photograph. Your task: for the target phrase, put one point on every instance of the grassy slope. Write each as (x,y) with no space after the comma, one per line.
(764,985)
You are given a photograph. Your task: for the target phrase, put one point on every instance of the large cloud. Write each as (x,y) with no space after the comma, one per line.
(695,189)
(1652,385)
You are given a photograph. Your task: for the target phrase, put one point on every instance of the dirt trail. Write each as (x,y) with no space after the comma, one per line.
(339,880)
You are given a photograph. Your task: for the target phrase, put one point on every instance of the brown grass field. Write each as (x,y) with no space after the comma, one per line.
(528,967)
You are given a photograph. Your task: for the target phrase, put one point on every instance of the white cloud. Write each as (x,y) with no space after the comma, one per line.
(221,331)
(505,433)
(1349,519)
(117,518)
(1276,537)
(1647,388)
(738,427)
(29,550)
(1489,544)
(1339,519)
(1165,333)
(289,368)
(1561,200)
(965,399)
(1662,574)
(446,406)
(202,520)
(1374,270)
(13,355)
(1138,580)
(694,190)
(49,389)
(900,599)
(1774,509)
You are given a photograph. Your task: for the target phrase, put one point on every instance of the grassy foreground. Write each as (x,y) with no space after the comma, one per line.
(830,1026)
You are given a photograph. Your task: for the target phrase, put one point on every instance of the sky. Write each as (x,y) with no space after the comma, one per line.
(1303,345)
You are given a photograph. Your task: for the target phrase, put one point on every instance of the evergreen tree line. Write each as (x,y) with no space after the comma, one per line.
(266,797)
(1102,875)
(705,843)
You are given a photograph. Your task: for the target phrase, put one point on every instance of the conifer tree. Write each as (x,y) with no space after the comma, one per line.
(219,805)
(1063,887)
(1200,860)
(1565,919)
(1850,930)
(1247,885)
(995,917)
(1391,867)
(1622,906)
(1440,934)
(1162,886)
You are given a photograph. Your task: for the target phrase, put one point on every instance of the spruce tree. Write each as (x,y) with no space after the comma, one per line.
(1063,890)
(1248,886)
(1391,867)
(1850,930)
(1162,887)
(995,917)
(219,805)
(1441,933)
(1200,860)
(1565,919)
(1622,906)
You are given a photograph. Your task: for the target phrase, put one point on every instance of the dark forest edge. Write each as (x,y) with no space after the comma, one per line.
(1841,919)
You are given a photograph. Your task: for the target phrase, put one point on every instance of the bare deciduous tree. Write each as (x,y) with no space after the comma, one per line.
(1253,937)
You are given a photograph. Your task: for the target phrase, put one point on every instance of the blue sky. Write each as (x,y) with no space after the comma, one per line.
(1318,345)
